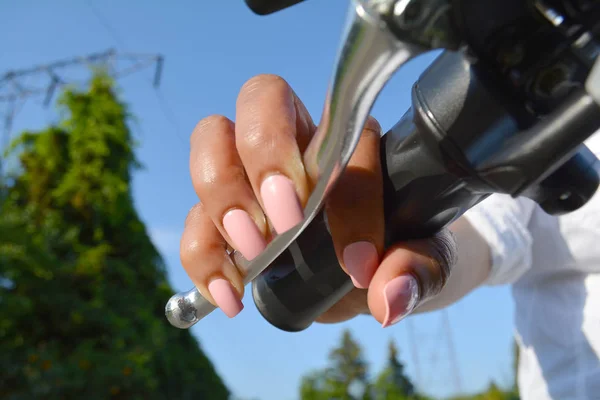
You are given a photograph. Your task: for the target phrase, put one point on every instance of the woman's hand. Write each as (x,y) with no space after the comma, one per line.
(251,181)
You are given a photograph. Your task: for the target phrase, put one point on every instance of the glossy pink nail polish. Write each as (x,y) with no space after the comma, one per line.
(281,202)
(226,297)
(401,295)
(361,260)
(244,233)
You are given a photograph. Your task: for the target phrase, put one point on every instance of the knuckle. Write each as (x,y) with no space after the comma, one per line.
(371,134)
(372,127)
(264,83)
(357,188)
(346,199)
(255,137)
(212,179)
(195,212)
(444,253)
(212,123)
(189,252)
(212,162)
(193,250)
(268,116)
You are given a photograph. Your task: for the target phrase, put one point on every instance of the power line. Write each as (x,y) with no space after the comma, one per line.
(452,352)
(442,356)
(414,352)
(106,24)
(48,78)
(162,100)
(169,114)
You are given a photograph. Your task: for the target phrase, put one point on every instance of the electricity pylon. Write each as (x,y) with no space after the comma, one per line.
(42,81)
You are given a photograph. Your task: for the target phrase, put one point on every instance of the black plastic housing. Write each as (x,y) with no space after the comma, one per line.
(266,7)
(455,146)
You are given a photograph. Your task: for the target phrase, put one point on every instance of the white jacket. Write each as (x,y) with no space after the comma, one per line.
(553,264)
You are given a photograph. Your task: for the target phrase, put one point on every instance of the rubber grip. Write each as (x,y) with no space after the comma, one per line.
(306,279)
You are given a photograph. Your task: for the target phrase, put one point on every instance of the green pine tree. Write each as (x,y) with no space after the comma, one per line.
(392,383)
(344,379)
(494,393)
(82,288)
(347,375)
(312,387)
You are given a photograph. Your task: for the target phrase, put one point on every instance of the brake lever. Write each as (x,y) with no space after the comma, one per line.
(592,83)
(379,38)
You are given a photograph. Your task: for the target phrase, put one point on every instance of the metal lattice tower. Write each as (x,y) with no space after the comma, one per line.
(452,352)
(414,352)
(445,360)
(42,81)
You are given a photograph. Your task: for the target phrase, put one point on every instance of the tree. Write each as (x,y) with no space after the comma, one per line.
(82,288)
(516,357)
(494,393)
(344,379)
(348,365)
(348,371)
(312,387)
(392,383)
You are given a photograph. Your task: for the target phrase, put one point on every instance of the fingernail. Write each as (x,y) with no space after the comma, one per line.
(226,297)
(244,233)
(361,260)
(281,202)
(401,295)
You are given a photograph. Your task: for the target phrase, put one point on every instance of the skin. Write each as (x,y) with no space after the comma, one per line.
(228,163)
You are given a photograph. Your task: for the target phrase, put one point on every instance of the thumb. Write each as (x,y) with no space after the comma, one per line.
(410,273)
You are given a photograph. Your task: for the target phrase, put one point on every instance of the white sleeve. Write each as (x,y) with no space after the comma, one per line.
(503,223)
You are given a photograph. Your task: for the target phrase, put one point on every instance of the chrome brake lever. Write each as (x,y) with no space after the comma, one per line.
(592,84)
(380,37)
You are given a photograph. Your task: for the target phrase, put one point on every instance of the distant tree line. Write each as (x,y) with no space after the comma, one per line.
(347,378)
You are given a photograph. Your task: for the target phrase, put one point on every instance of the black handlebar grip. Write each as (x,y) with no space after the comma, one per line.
(266,7)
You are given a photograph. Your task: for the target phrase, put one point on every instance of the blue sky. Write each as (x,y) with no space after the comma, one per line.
(211,49)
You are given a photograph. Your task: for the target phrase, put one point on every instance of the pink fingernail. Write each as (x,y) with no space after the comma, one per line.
(361,260)
(281,202)
(244,233)
(226,297)
(401,296)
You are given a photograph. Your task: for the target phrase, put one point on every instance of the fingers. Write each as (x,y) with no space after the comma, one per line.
(410,273)
(271,129)
(355,210)
(351,305)
(220,182)
(237,171)
(204,257)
